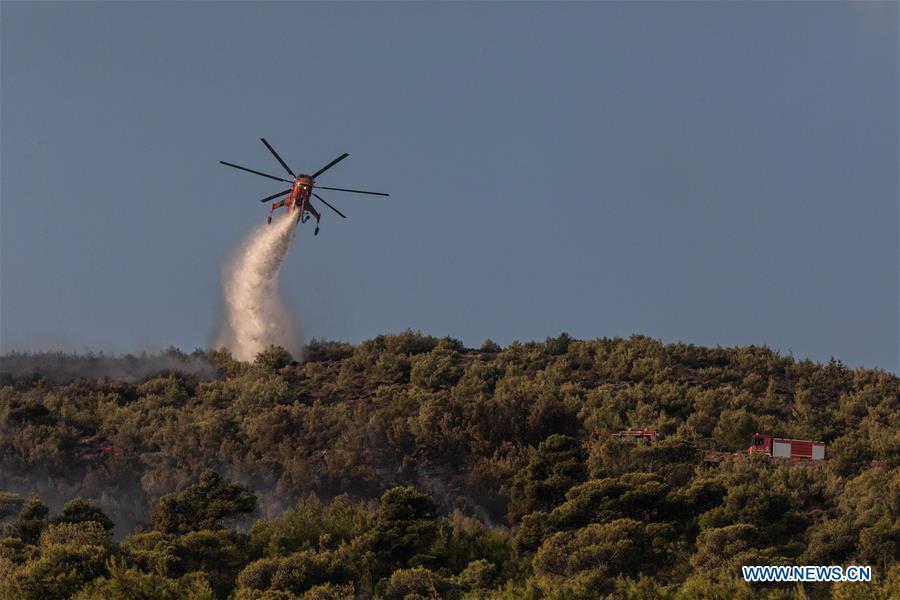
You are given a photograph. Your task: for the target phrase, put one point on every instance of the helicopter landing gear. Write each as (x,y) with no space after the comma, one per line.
(316,232)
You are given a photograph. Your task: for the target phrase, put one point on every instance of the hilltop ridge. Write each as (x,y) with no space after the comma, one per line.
(498,436)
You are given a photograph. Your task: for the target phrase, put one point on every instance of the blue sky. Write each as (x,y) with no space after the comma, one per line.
(714,173)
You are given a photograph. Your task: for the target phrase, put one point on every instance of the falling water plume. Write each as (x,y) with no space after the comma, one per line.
(255,315)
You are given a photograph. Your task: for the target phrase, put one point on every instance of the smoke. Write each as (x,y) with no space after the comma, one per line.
(255,313)
(60,367)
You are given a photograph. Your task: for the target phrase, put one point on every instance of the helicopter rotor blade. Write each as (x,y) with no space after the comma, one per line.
(322,187)
(329,165)
(254,172)
(273,196)
(328,205)
(278,158)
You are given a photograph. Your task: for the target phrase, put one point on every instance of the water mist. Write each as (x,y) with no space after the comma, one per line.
(255,315)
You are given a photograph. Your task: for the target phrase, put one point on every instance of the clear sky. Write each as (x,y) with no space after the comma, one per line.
(715,173)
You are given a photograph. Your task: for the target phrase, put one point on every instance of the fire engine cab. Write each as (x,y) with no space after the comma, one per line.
(785,448)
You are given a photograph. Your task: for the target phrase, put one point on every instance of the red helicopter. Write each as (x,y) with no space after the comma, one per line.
(301,189)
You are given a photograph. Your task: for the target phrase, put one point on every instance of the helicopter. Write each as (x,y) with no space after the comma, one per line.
(301,189)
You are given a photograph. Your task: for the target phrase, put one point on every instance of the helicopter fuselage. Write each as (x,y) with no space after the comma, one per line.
(298,199)
(300,191)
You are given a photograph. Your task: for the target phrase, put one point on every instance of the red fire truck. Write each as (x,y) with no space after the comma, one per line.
(642,436)
(785,448)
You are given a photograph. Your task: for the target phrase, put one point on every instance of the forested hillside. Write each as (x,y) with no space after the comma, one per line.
(412,467)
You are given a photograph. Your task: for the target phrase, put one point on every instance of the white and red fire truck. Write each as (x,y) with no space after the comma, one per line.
(786,448)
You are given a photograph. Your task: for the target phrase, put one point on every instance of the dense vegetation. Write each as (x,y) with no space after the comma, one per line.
(411,467)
